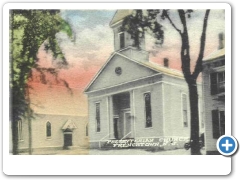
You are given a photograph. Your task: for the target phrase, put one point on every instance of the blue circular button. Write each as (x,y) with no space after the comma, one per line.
(227,145)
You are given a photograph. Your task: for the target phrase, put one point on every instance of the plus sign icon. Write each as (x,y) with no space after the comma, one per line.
(227,145)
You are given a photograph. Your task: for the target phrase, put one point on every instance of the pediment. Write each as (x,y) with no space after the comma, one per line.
(69,125)
(119,69)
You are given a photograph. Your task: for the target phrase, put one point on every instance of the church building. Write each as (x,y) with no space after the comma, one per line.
(56,122)
(133,98)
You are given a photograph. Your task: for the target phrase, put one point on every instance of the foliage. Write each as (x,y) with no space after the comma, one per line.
(29,30)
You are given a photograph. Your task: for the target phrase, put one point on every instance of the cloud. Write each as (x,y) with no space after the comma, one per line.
(93,42)
(91,47)
(80,19)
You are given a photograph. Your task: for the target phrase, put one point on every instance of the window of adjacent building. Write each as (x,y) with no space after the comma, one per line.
(218,123)
(20,137)
(98,123)
(48,129)
(217,81)
(184,110)
(148,110)
(122,40)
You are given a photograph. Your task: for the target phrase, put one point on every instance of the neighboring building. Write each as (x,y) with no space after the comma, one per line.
(133,98)
(214,96)
(56,122)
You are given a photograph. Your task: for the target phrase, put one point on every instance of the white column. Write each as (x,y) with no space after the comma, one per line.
(163,111)
(132,107)
(110,117)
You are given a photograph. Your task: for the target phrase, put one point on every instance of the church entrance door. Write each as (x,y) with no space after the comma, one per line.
(127,125)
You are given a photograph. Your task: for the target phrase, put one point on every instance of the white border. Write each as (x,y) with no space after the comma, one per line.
(112,165)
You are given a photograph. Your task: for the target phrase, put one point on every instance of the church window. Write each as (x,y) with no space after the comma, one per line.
(48,129)
(98,123)
(118,70)
(148,110)
(122,40)
(20,137)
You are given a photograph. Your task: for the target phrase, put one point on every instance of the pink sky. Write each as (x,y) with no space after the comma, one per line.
(93,46)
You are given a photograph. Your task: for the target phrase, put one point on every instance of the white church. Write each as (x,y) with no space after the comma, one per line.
(133,98)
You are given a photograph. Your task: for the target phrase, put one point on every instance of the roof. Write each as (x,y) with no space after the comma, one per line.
(162,69)
(153,66)
(120,15)
(214,55)
(156,67)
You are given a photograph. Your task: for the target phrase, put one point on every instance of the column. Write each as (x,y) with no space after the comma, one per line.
(110,117)
(133,115)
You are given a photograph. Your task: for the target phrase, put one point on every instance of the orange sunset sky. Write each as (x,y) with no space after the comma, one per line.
(92,45)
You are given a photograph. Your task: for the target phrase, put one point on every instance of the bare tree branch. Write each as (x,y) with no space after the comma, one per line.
(171,22)
(198,67)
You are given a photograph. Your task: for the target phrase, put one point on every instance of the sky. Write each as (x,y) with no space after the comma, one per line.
(92,45)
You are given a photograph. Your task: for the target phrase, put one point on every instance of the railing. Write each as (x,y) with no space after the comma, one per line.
(99,143)
(126,135)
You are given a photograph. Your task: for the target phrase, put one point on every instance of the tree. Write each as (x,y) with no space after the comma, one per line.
(138,23)
(29,30)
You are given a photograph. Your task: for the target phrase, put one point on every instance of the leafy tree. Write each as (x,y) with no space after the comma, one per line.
(29,30)
(137,24)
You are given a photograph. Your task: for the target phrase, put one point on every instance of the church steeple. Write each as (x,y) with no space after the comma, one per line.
(122,39)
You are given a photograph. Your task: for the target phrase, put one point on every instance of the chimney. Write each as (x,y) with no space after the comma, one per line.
(166,62)
(221,39)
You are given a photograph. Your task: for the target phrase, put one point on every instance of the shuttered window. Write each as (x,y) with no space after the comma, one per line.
(218,123)
(222,122)
(217,81)
(215,124)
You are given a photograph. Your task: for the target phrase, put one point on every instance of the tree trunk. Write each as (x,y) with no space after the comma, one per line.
(194,136)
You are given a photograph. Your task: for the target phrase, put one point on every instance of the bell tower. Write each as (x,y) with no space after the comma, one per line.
(122,39)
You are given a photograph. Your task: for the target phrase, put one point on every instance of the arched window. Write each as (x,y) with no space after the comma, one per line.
(87,130)
(48,129)
(98,122)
